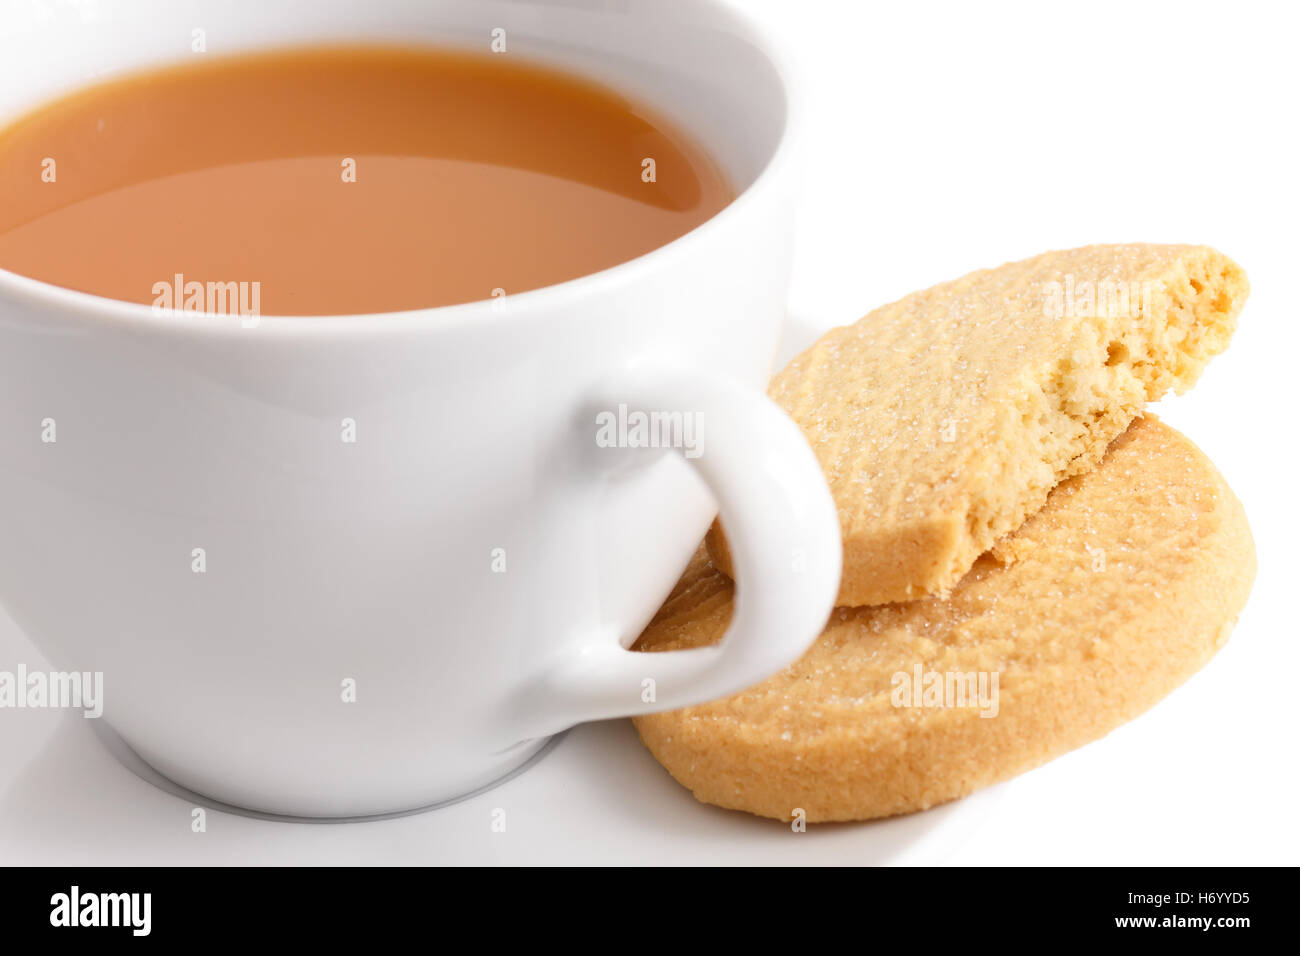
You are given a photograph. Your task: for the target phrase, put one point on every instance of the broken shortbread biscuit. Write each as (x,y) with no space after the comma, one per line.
(943,420)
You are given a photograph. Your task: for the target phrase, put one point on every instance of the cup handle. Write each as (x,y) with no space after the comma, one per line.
(784,535)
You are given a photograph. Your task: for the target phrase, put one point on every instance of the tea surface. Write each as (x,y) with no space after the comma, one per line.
(344,180)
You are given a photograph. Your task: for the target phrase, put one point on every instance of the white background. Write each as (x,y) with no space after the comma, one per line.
(941,138)
(948,137)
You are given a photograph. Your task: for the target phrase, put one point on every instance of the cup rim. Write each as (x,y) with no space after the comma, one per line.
(485,312)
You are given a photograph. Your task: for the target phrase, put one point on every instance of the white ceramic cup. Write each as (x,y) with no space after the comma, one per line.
(475,562)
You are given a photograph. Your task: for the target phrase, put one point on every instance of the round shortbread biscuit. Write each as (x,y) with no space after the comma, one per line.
(1121,587)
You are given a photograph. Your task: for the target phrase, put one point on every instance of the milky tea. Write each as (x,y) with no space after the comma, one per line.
(342,180)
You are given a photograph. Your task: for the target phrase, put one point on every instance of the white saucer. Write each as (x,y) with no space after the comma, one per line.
(596,797)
